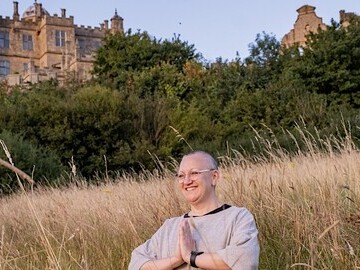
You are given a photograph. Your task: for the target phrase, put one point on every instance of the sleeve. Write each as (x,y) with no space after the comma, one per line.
(151,249)
(242,252)
(142,254)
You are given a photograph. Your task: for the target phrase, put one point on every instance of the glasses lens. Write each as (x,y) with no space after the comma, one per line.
(180,177)
(193,175)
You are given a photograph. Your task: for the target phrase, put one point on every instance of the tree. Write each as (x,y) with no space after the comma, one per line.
(125,53)
(263,63)
(330,64)
(42,164)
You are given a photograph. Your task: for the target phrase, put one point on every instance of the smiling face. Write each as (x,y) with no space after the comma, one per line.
(198,188)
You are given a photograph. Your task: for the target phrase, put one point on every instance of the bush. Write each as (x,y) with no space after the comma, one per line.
(40,163)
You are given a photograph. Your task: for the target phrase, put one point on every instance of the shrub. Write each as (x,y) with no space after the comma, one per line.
(39,162)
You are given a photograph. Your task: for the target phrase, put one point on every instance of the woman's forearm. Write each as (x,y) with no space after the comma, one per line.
(211,261)
(162,264)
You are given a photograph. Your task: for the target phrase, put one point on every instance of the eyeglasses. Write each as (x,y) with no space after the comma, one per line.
(193,175)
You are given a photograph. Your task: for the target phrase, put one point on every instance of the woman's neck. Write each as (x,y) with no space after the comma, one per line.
(204,208)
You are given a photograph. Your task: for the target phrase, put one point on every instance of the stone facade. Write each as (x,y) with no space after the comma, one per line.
(307,21)
(345,17)
(40,47)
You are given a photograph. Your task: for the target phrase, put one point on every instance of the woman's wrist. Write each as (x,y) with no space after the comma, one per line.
(176,261)
(186,258)
(193,256)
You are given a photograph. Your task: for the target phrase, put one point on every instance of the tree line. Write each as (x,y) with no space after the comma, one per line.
(152,99)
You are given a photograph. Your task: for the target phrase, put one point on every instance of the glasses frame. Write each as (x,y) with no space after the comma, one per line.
(192,175)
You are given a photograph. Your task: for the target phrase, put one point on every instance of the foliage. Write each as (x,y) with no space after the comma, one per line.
(330,64)
(264,61)
(42,164)
(155,99)
(125,53)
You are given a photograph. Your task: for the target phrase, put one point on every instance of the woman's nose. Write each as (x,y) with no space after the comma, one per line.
(187,179)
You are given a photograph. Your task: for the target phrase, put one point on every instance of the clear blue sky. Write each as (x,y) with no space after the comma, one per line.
(216,28)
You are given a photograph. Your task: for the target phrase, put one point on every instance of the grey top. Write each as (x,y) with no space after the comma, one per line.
(231,233)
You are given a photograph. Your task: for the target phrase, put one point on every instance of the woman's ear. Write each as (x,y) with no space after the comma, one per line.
(215,178)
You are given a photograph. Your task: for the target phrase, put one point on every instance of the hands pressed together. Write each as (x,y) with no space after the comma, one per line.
(182,255)
(186,243)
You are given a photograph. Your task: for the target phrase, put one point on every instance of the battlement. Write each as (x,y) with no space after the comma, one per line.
(56,20)
(6,22)
(83,30)
(88,28)
(17,24)
(7,18)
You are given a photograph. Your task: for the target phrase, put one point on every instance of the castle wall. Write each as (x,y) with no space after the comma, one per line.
(88,40)
(15,53)
(58,45)
(82,69)
(307,22)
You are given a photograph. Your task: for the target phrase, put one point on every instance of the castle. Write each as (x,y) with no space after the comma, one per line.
(39,46)
(307,21)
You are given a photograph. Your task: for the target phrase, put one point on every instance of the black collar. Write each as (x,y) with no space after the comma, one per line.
(217,210)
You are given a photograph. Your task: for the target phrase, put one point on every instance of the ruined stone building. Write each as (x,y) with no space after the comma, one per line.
(38,46)
(307,21)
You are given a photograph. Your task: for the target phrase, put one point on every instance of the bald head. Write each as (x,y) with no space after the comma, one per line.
(206,156)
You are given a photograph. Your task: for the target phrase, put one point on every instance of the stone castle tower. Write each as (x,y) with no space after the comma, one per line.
(307,21)
(38,46)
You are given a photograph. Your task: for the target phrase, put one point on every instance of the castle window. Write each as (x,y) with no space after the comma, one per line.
(4,39)
(82,47)
(27,42)
(97,44)
(4,67)
(60,38)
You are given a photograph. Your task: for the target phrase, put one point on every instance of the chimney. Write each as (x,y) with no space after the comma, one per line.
(16,15)
(106,23)
(342,15)
(63,12)
(38,9)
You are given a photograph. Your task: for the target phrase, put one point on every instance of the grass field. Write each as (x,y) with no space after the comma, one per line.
(307,208)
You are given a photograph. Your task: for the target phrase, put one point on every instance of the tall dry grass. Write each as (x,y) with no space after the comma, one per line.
(307,208)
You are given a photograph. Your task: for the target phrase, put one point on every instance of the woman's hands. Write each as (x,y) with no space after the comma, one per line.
(186,243)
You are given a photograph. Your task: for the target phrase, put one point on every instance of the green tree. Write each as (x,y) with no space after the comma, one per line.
(263,63)
(42,164)
(330,64)
(124,53)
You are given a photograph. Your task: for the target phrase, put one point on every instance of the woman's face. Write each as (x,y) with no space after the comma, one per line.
(197,178)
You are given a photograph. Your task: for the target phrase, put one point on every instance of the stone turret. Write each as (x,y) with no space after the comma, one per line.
(117,23)
(35,12)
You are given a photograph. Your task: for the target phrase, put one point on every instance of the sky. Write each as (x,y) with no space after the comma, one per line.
(216,28)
